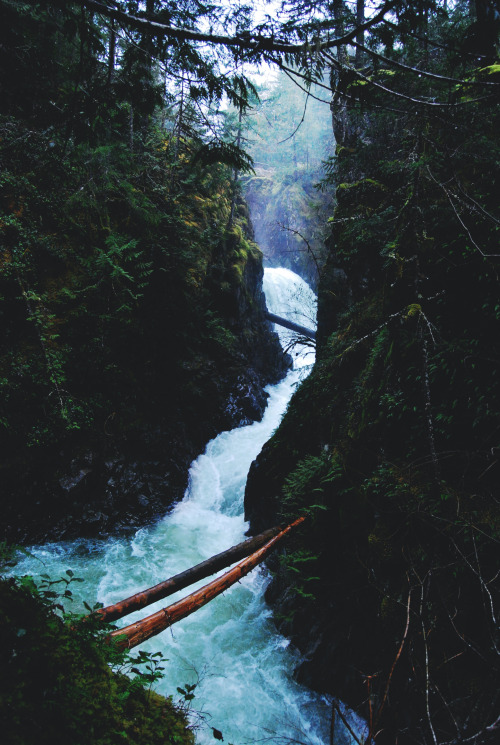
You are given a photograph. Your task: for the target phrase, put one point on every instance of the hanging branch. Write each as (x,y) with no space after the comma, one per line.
(299,124)
(290,76)
(422,73)
(256,43)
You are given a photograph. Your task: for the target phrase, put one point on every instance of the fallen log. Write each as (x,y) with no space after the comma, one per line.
(302,330)
(138,632)
(186,578)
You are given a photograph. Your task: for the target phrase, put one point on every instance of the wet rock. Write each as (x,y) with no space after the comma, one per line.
(247,402)
(71,482)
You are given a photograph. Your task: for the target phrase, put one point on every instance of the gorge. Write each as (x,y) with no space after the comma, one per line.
(143,159)
(241,670)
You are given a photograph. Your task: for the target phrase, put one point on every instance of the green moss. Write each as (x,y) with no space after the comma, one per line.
(57,687)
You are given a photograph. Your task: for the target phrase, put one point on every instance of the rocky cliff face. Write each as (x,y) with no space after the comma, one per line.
(134,466)
(383,590)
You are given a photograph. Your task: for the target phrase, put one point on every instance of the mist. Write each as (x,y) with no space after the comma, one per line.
(289,136)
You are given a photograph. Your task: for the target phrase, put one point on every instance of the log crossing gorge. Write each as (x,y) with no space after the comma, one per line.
(130,636)
(292,326)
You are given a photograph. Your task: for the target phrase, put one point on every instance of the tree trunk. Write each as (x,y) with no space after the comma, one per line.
(235,174)
(360,36)
(138,632)
(111,52)
(338,104)
(303,330)
(487,27)
(184,579)
(131,128)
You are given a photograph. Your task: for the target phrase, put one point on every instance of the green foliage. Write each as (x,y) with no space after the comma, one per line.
(223,152)
(57,685)
(395,432)
(307,478)
(113,225)
(187,692)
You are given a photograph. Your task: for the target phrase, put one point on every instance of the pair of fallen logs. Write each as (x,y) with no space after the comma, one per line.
(138,632)
(187,578)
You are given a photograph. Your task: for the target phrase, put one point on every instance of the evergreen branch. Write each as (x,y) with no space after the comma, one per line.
(256,43)
(397,94)
(421,73)
(433,42)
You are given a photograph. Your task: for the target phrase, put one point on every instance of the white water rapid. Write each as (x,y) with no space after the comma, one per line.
(229,648)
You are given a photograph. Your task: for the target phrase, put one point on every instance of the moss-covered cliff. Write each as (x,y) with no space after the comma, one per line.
(132,312)
(130,289)
(391,445)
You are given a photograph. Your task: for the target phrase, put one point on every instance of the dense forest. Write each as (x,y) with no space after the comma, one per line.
(132,312)
(133,142)
(289,136)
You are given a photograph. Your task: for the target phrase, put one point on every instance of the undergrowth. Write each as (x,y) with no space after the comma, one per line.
(63,682)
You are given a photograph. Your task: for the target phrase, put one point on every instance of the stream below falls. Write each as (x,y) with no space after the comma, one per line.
(229,649)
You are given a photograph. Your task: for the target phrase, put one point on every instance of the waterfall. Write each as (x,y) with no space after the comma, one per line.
(289,296)
(242,668)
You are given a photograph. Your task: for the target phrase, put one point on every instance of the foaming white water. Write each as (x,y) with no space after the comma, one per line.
(243,669)
(287,295)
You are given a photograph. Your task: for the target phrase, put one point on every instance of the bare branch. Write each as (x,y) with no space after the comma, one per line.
(492,728)
(308,245)
(345,722)
(398,655)
(397,94)
(298,125)
(457,215)
(427,677)
(422,73)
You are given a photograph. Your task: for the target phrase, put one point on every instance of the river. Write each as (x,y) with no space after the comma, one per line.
(242,668)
